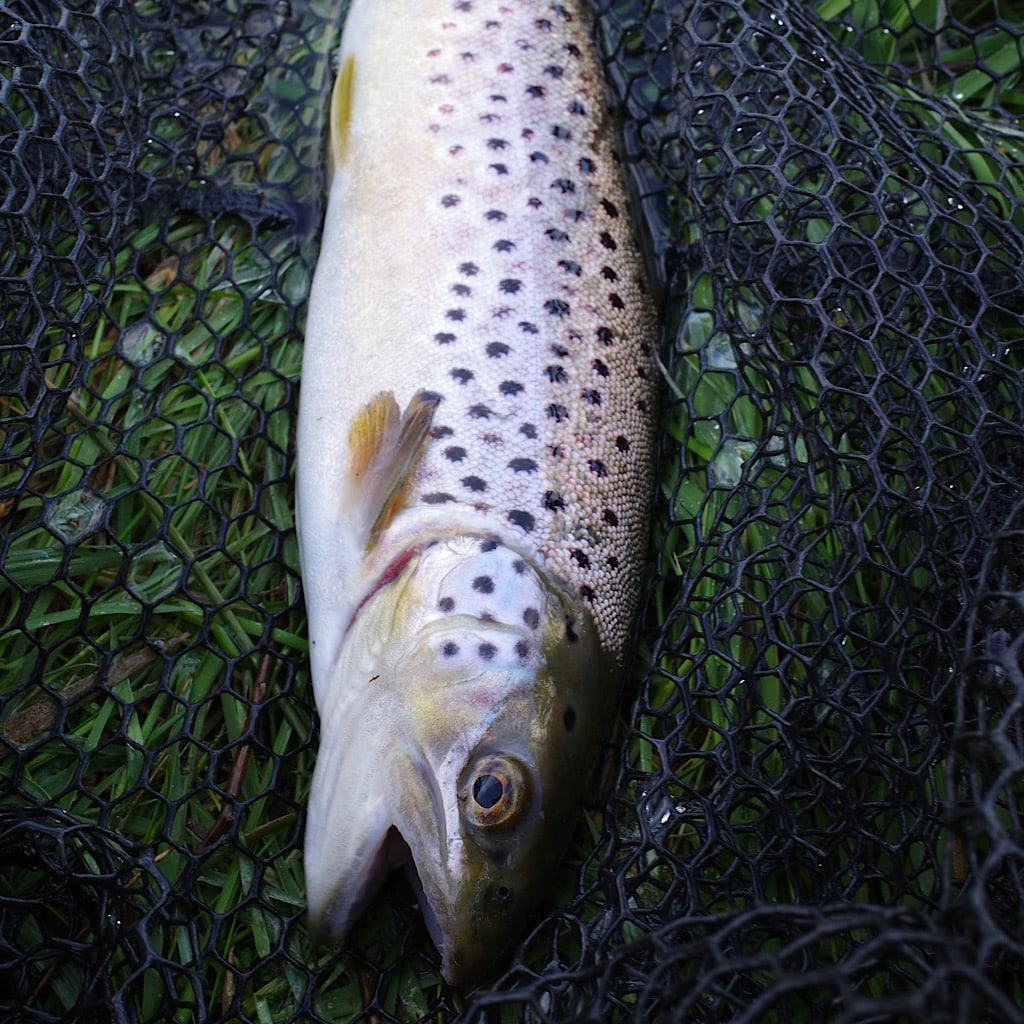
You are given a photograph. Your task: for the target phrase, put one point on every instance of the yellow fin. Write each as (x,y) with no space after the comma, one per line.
(386,448)
(341,112)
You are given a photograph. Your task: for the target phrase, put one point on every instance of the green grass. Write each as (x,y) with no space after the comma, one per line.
(161,511)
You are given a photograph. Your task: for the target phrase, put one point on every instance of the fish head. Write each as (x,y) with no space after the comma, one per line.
(496,707)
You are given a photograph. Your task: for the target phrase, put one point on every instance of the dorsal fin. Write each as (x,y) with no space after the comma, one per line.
(386,447)
(340,113)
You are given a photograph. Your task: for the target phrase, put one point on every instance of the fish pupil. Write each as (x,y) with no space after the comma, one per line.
(487,790)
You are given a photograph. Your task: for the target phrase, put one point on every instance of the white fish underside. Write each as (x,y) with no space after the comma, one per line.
(477,247)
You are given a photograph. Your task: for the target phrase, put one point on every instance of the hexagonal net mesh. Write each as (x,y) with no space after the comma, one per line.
(812,808)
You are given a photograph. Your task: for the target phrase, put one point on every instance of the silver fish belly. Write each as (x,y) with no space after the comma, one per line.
(474,461)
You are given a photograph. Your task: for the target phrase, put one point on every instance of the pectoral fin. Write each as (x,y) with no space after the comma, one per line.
(386,447)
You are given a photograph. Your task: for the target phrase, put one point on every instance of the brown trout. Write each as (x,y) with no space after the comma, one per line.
(474,461)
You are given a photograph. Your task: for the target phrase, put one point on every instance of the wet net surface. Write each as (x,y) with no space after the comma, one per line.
(813,809)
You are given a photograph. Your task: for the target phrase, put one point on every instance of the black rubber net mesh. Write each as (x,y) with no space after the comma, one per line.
(811,804)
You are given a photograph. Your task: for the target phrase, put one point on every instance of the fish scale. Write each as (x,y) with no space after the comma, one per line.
(474,443)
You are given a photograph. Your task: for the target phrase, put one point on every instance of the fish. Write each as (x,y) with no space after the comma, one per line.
(477,408)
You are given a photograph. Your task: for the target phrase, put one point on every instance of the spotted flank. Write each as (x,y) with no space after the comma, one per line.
(475,443)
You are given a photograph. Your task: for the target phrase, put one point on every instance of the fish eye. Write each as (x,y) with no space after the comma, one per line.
(495,791)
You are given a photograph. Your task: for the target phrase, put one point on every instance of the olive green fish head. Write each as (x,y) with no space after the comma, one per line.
(488,697)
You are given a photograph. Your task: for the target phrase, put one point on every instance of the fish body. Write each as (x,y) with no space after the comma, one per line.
(474,461)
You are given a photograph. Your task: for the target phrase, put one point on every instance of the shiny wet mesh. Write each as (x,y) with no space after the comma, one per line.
(810,809)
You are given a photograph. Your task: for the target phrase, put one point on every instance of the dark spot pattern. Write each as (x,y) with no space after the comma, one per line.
(510,285)
(483,585)
(610,517)
(487,651)
(571,267)
(499,168)
(496,216)
(468,269)
(580,558)
(553,501)
(528,430)
(558,413)
(474,483)
(497,349)
(449,201)
(521,518)
(450,649)
(608,274)
(455,453)
(531,617)
(522,465)
(597,467)
(557,307)
(556,374)
(504,245)
(539,158)
(437,498)
(522,649)
(608,242)
(600,368)
(622,443)
(510,387)
(446,604)
(457,315)
(519,567)
(591,396)
(461,290)
(527,328)
(444,338)
(610,208)
(462,375)
(439,432)
(556,235)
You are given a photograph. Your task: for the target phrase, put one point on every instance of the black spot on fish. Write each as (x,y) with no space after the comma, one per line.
(556,374)
(564,185)
(522,649)
(499,168)
(522,519)
(506,69)
(446,604)
(510,387)
(496,97)
(610,517)
(538,157)
(612,562)
(501,312)
(496,215)
(469,269)
(557,307)
(591,396)
(450,649)
(580,558)
(543,25)
(607,241)
(587,593)
(600,368)
(483,585)
(608,274)
(531,617)
(554,70)
(437,498)
(462,290)
(606,335)
(571,267)
(474,483)
(510,285)
(480,412)
(440,80)
(430,396)
(528,430)
(560,132)
(553,501)
(534,203)
(464,5)
(489,118)
(597,467)
(576,215)
(586,165)
(487,651)
(488,545)
(455,453)
(497,349)
(641,404)
(450,201)
(610,208)
(559,350)
(438,432)
(572,49)
(527,328)
(616,301)
(536,91)
(622,443)
(497,144)
(468,56)
(569,719)
(504,245)
(523,466)
(444,338)
(558,413)
(556,235)
(456,314)
(519,567)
